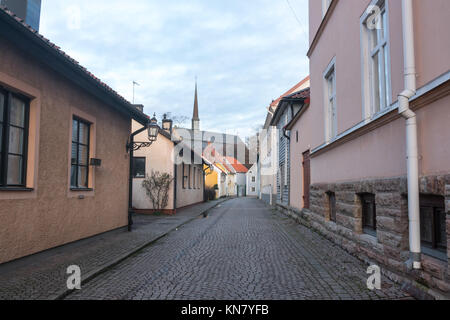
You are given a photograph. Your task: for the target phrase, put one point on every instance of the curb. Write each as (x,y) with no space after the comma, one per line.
(94,273)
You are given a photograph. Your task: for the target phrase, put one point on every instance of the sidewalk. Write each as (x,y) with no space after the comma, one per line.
(43,275)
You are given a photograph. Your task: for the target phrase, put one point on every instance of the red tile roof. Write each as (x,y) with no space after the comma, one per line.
(275,103)
(238,167)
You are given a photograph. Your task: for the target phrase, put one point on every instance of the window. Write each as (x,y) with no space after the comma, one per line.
(330,102)
(14,111)
(296,136)
(253,179)
(377,59)
(369,216)
(432,225)
(193,177)
(185,176)
(253,189)
(189,176)
(139,167)
(331,206)
(79,174)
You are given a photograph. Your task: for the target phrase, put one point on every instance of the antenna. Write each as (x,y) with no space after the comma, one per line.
(134,84)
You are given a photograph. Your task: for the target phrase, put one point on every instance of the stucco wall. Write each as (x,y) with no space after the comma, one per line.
(384,147)
(52,215)
(186,197)
(158,158)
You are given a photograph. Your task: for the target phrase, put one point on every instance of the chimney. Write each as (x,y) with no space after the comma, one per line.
(140,107)
(167,124)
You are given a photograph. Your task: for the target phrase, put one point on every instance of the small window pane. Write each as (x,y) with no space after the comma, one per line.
(1,138)
(2,106)
(426,225)
(73,176)
(82,177)
(441,234)
(74,153)
(84,133)
(17,114)
(16,140)
(139,167)
(15,165)
(83,155)
(75,130)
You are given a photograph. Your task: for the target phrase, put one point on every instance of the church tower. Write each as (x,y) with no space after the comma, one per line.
(195,118)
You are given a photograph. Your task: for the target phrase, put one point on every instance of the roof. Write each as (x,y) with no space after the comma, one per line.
(302,97)
(27,39)
(294,89)
(238,167)
(195,114)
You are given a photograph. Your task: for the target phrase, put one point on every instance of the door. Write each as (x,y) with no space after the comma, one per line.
(306,178)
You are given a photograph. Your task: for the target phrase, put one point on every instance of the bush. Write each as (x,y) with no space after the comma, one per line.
(210,194)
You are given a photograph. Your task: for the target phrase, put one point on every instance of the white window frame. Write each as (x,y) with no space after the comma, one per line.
(330,102)
(370,108)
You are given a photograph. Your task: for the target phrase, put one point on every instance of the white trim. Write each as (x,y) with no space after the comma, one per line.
(366,65)
(331,69)
(420,92)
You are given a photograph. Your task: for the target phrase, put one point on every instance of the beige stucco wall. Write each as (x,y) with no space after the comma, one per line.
(52,215)
(186,197)
(158,157)
(383,148)
(304,127)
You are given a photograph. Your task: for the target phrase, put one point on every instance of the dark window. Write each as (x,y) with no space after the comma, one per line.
(139,167)
(253,179)
(14,112)
(189,176)
(193,177)
(432,222)
(79,175)
(253,189)
(296,136)
(369,215)
(185,176)
(332,205)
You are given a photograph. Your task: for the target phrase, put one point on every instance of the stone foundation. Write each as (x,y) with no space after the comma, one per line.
(390,248)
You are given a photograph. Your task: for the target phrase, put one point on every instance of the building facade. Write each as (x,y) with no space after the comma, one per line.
(252,181)
(363,56)
(62,147)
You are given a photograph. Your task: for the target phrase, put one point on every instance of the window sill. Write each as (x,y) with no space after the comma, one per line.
(440,255)
(16,189)
(81,189)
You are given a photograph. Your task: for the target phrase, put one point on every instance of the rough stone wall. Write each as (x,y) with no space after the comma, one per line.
(390,248)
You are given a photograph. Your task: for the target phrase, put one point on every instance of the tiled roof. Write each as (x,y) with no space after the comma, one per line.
(238,167)
(303,94)
(65,56)
(275,103)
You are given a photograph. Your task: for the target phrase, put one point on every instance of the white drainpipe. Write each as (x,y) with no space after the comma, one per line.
(411,134)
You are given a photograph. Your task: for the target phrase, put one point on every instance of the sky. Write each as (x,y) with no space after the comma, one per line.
(244,53)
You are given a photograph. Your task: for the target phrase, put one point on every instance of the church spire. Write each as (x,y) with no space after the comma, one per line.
(195,118)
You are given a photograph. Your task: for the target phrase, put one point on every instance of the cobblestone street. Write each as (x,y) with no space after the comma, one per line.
(242,250)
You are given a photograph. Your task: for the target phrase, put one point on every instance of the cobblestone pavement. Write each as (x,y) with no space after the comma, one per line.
(243,250)
(43,275)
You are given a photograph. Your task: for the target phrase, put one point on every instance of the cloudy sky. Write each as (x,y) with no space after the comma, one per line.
(245,53)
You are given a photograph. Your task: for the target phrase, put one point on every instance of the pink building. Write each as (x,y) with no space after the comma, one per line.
(366,194)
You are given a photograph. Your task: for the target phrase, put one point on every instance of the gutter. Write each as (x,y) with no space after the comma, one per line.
(405,111)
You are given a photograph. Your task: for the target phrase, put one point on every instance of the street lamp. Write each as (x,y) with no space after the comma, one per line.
(152,130)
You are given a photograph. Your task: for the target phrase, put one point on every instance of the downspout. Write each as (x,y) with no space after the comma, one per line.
(411,135)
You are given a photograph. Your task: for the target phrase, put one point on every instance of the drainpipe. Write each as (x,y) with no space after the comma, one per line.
(411,135)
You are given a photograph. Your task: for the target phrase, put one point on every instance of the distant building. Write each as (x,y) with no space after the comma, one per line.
(28,10)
